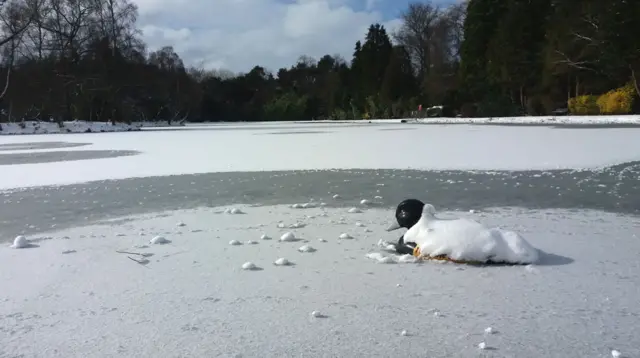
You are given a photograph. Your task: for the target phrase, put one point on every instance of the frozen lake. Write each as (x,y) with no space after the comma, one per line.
(571,192)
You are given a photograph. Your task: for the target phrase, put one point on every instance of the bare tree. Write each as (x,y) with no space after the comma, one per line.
(15,18)
(417,34)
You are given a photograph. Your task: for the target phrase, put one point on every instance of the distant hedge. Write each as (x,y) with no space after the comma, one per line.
(617,101)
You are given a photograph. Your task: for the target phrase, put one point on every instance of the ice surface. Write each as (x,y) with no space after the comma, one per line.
(472,147)
(193,298)
(468,240)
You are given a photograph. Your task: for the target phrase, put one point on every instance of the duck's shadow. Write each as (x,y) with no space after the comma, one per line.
(549,259)
(544,259)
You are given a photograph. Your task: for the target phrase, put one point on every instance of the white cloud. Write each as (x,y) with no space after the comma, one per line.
(239,34)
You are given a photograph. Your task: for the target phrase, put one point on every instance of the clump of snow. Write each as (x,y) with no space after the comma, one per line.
(488,330)
(355,210)
(297,225)
(468,240)
(159,240)
(304,205)
(235,243)
(365,202)
(306,248)
(251,242)
(288,236)
(20,242)
(181,224)
(404,333)
(336,196)
(282,262)
(359,224)
(249,266)
(316,314)
(482,346)
(233,211)
(322,240)
(265,237)
(616,354)
(392,258)
(345,236)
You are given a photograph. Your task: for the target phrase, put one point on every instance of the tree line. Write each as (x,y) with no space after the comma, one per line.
(84,59)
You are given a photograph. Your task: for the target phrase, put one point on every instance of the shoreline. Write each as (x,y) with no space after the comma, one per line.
(78,127)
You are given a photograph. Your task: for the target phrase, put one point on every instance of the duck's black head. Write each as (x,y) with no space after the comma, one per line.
(408,213)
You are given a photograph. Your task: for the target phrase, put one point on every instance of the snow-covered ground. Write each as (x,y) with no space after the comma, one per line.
(40,127)
(524,120)
(105,290)
(304,146)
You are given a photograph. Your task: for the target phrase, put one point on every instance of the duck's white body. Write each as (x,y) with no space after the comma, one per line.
(468,240)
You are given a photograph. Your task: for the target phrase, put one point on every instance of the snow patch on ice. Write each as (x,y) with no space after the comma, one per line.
(233,211)
(345,236)
(249,266)
(282,262)
(306,248)
(20,242)
(288,237)
(159,240)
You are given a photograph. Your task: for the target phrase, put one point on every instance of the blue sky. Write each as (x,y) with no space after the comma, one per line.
(239,34)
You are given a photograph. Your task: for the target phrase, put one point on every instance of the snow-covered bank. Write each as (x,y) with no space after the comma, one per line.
(524,120)
(106,290)
(39,127)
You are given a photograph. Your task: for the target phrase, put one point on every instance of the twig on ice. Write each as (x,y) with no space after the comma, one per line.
(143,262)
(135,253)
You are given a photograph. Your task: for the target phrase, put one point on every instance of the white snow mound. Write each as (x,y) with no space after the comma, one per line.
(20,242)
(468,240)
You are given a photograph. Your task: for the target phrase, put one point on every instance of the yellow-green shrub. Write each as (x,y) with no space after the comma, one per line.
(617,101)
(584,105)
